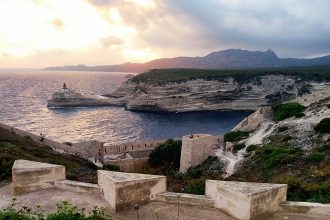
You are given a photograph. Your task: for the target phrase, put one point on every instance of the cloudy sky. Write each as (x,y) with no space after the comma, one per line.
(39,33)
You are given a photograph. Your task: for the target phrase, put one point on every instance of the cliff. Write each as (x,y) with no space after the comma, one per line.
(183,90)
(293,148)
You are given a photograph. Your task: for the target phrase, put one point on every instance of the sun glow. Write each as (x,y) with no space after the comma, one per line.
(61,26)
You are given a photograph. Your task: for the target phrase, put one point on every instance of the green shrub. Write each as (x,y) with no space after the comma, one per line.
(64,211)
(287,110)
(196,186)
(251,148)
(211,167)
(238,147)
(323,126)
(328,105)
(7,146)
(282,128)
(299,115)
(316,157)
(167,154)
(235,136)
(322,148)
(272,156)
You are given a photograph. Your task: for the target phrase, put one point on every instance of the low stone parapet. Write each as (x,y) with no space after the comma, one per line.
(306,208)
(124,190)
(74,186)
(246,200)
(31,176)
(185,199)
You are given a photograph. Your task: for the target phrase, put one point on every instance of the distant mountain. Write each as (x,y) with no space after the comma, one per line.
(225,59)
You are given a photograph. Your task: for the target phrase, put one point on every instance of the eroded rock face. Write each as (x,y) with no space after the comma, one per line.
(199,95)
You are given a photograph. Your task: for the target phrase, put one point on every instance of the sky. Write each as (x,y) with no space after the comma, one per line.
(40,33)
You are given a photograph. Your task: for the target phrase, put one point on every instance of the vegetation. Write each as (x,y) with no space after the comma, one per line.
(235,136)
(323,126)
(272,156)
(167,154)
(305,89)
(238,147)
(193,181)
(14,147)
(251,148)
(64,211)
(316,157)
(163,76)
(287,110)
(282,128)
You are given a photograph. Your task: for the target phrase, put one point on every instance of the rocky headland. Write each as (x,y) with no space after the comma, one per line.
(184,90)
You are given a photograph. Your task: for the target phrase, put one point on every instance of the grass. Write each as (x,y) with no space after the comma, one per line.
(235,136)
(287,110)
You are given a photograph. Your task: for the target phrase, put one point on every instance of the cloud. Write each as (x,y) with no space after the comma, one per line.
(290,27)
(111,41)
(58,24)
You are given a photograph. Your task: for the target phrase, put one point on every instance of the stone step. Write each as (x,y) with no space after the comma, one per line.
(80,187)
(185,199)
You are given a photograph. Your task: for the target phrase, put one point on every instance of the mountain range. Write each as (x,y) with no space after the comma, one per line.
(225,59)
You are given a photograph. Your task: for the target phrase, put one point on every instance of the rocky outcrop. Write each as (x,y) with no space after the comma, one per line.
(200,95)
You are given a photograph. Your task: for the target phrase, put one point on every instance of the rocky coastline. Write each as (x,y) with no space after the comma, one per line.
(207,95)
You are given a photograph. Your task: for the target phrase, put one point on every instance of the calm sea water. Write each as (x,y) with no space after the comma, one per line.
(24,94)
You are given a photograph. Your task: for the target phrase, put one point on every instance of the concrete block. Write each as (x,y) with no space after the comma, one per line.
(196,149)
(31,176)
(124,190)
(80,187)
(245,200)
(185,199)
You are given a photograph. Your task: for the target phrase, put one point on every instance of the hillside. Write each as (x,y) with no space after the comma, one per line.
(226,59)
(293,147)
(13,147)
(183,90)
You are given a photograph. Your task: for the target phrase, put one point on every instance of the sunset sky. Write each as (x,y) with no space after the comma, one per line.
(40,33)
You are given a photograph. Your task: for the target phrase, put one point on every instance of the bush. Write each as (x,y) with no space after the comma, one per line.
(238,147)
(235,136)
(167,154)
(7,146)
(323,126)
(272,156)
(316,157)
(251,148)
(299,115)
(64,211)
(287,110)
(282,128)
(196,186)
(322,148)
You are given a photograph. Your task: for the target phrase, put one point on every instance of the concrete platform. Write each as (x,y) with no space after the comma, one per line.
(246,200)
(124,190)
(31,176)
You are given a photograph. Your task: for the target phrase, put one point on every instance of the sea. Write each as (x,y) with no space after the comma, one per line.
(23,104)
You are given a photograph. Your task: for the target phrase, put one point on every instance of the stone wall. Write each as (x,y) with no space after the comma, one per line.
(122,148)
(251,122)
(195,149)
(90,147)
